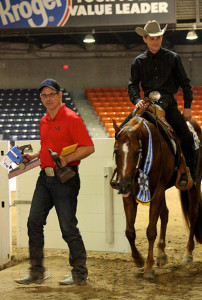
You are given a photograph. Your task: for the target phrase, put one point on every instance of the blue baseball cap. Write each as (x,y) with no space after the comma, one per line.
(51,83)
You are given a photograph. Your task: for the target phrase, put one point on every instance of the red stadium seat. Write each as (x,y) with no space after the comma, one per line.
(114,102)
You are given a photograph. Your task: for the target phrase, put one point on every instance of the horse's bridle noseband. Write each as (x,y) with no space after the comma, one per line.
(115,182)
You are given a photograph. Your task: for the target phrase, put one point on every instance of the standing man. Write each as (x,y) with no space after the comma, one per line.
(159,69)
(59,128)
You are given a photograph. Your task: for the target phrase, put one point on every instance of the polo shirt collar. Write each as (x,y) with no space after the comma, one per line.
(59,113)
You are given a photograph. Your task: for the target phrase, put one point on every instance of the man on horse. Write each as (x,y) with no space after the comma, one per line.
(159,69)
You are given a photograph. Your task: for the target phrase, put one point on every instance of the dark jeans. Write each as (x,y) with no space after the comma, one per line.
(51,192)
(177,121)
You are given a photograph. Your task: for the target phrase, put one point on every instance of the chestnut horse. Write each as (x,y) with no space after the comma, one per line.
(130,152)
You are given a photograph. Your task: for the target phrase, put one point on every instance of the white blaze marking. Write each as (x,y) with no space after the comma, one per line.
(125,151)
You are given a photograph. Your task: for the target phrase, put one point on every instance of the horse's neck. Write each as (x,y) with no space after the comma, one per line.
(134,121)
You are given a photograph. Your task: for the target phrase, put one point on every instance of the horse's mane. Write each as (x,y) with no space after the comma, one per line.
(134,125)
(134,121)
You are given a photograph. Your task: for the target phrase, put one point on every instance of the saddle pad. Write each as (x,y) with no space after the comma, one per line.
(197,142)
(149,117)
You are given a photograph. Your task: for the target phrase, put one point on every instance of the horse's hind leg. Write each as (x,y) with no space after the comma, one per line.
(192,198)
(130,208)
(161,256)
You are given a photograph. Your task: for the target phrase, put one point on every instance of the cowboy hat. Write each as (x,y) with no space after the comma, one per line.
(152,28)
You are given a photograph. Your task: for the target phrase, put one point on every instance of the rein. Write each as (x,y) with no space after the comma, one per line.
(115,182)
(160,138)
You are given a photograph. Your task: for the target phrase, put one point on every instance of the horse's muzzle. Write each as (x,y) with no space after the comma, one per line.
(125,186)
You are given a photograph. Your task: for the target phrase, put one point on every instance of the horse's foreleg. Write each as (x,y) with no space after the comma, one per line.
(155,209)
(161,255)
(130,208)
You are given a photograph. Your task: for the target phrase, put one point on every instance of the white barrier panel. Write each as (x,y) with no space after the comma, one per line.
(5,216)
(109,207)
(100,210)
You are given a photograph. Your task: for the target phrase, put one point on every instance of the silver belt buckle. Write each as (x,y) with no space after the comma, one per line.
(49,171)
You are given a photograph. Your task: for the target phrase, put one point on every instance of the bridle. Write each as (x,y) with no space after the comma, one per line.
(115,182)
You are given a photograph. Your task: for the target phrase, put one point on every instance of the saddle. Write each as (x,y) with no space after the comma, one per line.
(156,115)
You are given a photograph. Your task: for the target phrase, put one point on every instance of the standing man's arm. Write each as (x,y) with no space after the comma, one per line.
(80,153)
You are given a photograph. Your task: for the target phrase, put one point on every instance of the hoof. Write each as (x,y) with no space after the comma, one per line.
(162,260)
(149,274)
(187,259)
(139,262)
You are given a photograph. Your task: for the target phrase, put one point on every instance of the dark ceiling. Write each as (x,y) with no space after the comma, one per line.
(125,36)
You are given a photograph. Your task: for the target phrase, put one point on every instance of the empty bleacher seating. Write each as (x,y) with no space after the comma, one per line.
(21,111)
(114,103)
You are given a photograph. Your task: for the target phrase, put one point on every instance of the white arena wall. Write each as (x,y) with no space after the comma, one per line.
(100,209)
(5,215)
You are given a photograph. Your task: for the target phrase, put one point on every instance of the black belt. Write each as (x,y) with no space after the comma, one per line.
(50,172)
(165,100)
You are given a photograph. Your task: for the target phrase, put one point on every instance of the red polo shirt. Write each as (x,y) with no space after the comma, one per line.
(66,129)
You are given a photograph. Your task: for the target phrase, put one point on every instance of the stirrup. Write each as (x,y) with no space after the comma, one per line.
(185,183)
(183,180)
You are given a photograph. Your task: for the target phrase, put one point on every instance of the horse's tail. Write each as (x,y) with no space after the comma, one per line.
(184,197)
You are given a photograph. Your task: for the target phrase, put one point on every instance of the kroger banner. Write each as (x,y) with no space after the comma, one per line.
(81,13)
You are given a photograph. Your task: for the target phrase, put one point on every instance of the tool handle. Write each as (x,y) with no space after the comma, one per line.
(56,158)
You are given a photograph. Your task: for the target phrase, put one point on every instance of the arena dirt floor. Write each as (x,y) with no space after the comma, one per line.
(112,275)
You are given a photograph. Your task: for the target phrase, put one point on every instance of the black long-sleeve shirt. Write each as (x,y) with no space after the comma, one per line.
(162,72)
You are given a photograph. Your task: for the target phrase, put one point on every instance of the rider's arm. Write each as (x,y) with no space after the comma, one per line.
(140,104)
(184,82)
(187,114)
(134,83)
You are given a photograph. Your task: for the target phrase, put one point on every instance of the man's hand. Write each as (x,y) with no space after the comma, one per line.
(187,114)
(63,161)
(140,104)
(27,157)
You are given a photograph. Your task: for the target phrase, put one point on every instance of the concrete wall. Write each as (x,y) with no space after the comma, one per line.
(83,72)
(97,67)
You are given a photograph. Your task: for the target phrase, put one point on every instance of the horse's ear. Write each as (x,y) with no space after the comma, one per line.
(117,129)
